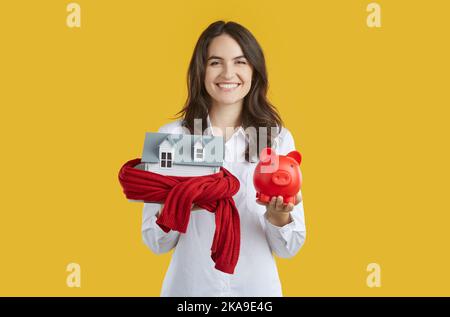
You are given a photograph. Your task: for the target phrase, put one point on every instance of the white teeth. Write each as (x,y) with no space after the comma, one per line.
(228,86)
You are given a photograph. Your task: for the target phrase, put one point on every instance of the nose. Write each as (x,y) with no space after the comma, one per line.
(281,178)
(228,71)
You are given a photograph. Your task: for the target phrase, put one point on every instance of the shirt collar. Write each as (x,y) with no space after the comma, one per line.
(240,130)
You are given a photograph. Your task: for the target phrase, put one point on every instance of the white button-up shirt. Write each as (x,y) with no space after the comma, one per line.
(191,271)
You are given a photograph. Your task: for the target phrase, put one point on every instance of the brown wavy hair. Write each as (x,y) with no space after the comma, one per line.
(257,111)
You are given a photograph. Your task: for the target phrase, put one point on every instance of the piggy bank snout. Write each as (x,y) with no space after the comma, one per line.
(281,178)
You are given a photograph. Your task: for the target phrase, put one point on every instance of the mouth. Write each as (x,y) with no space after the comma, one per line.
(228,86)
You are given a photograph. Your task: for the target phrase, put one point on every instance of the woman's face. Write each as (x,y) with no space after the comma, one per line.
(228,75)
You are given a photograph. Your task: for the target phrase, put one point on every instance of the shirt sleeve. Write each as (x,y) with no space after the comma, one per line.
(286,241)
(152,234)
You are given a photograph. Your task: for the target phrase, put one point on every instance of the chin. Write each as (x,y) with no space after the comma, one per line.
(228,102)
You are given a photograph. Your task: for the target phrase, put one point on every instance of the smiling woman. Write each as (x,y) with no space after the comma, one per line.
(227,87)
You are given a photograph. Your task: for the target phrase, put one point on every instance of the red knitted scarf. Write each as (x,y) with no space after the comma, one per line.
(211,192)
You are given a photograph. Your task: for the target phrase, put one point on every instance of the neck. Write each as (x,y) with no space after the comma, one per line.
(224,116)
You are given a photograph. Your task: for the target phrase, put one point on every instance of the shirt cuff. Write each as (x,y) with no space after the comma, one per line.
(284,232)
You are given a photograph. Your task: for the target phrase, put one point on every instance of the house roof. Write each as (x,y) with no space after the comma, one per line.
(183,146)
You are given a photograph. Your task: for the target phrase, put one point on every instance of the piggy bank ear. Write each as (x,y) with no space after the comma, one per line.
(296,156)
(266,155)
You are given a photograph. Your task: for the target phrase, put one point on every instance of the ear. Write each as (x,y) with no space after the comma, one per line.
(265,155)
(296,156)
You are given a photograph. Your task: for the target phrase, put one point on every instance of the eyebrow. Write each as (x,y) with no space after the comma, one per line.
(217,57)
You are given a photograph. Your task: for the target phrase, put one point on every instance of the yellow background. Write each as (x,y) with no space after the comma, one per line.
(368,109)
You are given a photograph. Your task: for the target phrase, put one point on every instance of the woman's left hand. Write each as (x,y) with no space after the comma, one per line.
(277,211)
(276,204)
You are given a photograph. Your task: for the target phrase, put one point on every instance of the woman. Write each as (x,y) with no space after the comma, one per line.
(227,86)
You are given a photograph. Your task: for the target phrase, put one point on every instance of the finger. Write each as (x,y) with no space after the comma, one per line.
(288,208)
(272,203)
(279,203)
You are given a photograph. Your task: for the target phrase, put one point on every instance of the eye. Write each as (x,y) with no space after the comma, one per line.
(292,166)
(213,63)
(242,62)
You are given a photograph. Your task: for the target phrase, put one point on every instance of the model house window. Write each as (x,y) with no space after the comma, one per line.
(199,154)
(166,159)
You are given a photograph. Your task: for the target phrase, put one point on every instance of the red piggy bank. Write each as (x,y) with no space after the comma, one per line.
(277,175)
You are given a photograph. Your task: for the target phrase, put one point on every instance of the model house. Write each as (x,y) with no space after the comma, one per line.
(182,154)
